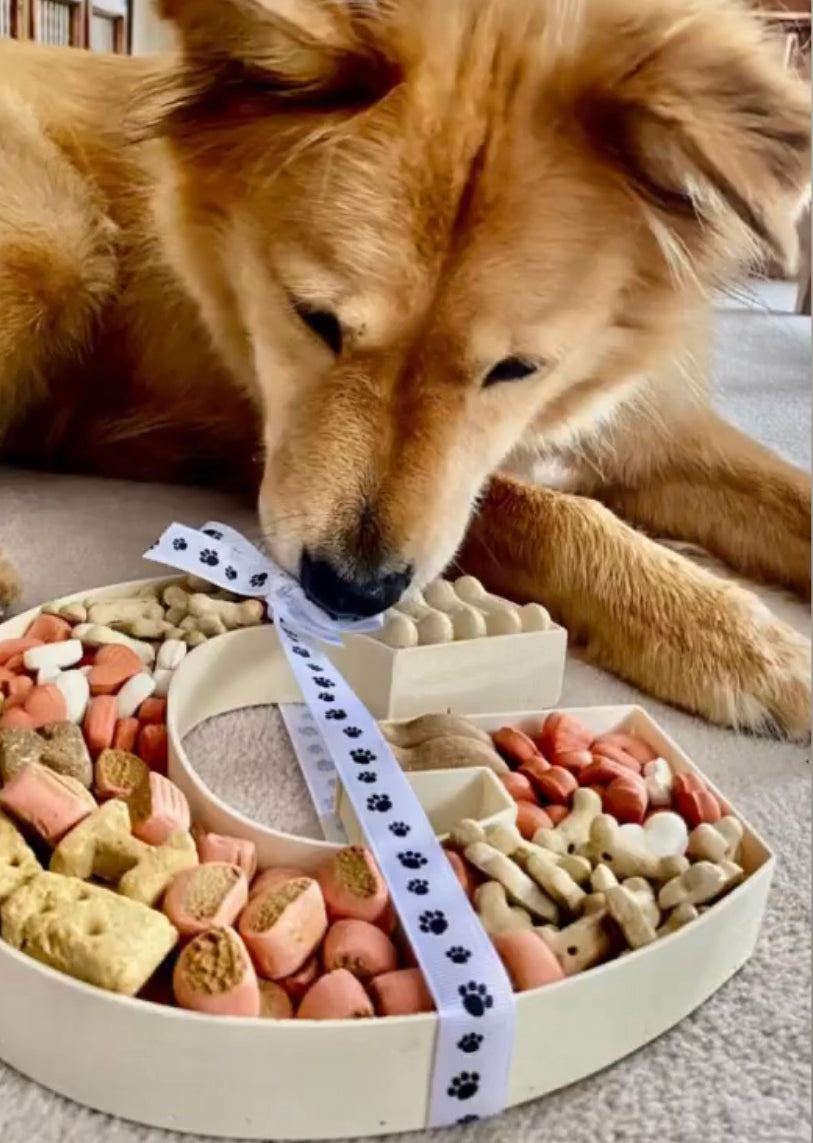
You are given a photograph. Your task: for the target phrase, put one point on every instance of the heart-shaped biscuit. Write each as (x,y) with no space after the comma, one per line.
(664,835)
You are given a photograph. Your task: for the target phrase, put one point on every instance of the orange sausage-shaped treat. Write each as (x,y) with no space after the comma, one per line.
(516,748)
(531,818)
(627,799)
(50,629)
(401,993)
(359,947)
(629,744)
(602,771)
(518,786)
(565,742)
(527,959)
(557,785)
(153,710)
(353,886)
(214,974)
(283,926)
(113,667)
(336,996)
(46,704)
(125,734)
(100,723)
(231,850)
(694,801)
(205,897)
(153,747)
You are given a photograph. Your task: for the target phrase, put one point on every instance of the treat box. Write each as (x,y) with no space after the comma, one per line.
(254,1079)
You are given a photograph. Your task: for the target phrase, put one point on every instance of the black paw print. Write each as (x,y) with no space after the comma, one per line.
(418,886)
(308,731)
(362,757)
(400,829)
(476,998)
(231,574)
(316,669)
(314,750)
(213,533)
(412,860)
(470,1043)
(458,955)
(465,1086)
(336,715)
(368,777)
(325,766)
(180,545)
(434,922)
(466,1119)
(379,804)
(259,580)
(326,696)
(324,683)
(301,652)
(352,732)
(209,558)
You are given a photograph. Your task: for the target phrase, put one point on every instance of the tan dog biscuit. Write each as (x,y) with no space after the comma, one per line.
(60,746)
(496,915)
(18,863)
(100,846)
(518,885)
(581,945)
(146,881)
(87,932)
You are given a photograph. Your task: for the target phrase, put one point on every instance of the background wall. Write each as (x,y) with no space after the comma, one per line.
(149,33)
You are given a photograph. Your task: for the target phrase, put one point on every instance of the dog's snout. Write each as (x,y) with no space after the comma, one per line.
(357,598)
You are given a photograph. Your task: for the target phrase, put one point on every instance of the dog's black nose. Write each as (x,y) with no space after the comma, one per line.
(350,599)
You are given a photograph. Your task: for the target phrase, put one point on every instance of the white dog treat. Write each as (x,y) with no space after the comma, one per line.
(53,655)
(95,635)
(450,753)
(146,881)
(71,612)
(699,885)
(468,623)
(467,833)
(630,914)
(508,840)
(249,613)
(113,611)
(521,889)
(574,831)
(399,632)
(659,778)
(602,878)
(628,858)
(502,617)
(100,846)
(209,625)
(664,835)
(581,945)
(170,655)
(194,638)
(496,915)
(162,679)
(87,932)
(558,884)
(134,692)
(678,919)
(716,842)
(416,731)
(76,692)
(535,618)
(176,599)
(46,675)
(18,863)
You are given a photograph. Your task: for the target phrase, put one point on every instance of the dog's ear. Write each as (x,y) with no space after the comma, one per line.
(299,51)
(699,115)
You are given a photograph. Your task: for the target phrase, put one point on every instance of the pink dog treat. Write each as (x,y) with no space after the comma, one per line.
(16,719)
(297,985)
(153,747)
(113,667)
(46,704)
(118,774)
(519,787)
(530,818)
(602,772)
(232,850)
(515,747)
(126,734)
(557,814)
(100,723)
(270,878)
(557,785)
(214,974)
(275,1003)
(565,742)
(535,769)
(283,926)
(401,993)
(158,809)
(153,710)
(527,959)
(359,947)
(205,897)
(353,886)
(627,799)
(336,996)
(463,871)
(50,804)
(610,747)
(50,629)
(18,690)
(11,648)
(629,744)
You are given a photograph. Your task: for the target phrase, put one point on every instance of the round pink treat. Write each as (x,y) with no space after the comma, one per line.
(353,886)
(214,974)
(158,809)
(359,947)
(283,926)
(205,897)
(275,1003)
(271,877)
(401,993)
(527,959)
(336,996)
(49,803)
(232,850)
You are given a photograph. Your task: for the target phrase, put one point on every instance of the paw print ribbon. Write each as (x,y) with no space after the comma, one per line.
(471,990)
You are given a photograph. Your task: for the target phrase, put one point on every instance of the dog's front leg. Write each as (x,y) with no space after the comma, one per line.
(640,610)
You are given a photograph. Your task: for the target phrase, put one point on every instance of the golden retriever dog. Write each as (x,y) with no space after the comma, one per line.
(433,276)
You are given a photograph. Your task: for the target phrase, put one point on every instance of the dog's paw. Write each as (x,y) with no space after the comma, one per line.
(9,587)
(765,685)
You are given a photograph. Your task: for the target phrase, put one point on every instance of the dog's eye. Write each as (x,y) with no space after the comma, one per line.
(324,324)
(511,369)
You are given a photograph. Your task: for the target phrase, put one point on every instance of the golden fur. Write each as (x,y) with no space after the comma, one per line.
(458,183)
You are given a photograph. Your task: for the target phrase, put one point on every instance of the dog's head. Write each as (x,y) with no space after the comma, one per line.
(423,231)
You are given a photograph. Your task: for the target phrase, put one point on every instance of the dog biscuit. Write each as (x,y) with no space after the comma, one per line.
(360,947)
(496,915)
(214,974)
(148,880)
(283,926)
(205,897)
(401,993)
(158,809)
(529,961)
(18,862)
(581,945)
(49,804)
(353,886)
(100,846)
(337,995)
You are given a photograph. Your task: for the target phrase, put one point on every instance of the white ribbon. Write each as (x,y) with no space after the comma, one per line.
(467,980)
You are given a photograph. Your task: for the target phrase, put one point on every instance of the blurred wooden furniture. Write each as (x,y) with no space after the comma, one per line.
(101,25)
